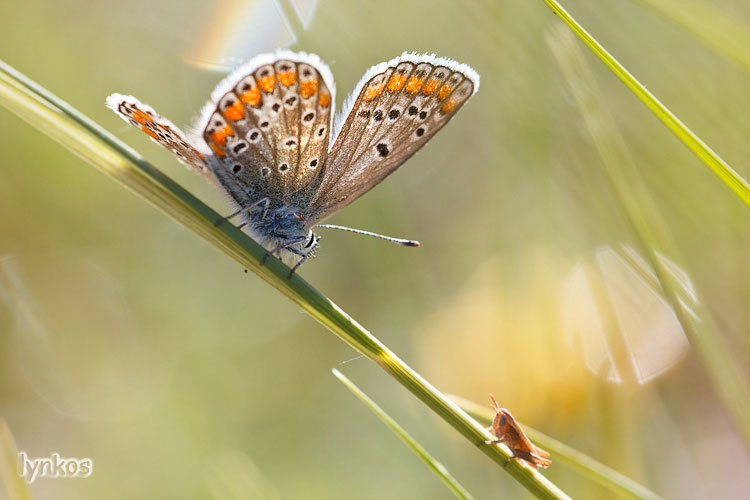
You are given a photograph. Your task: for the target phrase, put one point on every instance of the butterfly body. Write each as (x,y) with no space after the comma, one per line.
(266,137)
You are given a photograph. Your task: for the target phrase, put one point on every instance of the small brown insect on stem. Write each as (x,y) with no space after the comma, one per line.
(508,431)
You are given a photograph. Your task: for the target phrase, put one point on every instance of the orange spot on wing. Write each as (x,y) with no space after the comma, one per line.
(288,78)
(448,106)
(308,88)
(414,84)
(372,93)
(430,87)
(235,112)
(219,152)
(267,83)
(325,99)
(142,117)
(396,82)
(251,97)
(444,91)
(150,132)
(220,136)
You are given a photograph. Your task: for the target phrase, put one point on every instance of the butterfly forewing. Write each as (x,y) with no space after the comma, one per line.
(161,130)
(271,126)
(399,107)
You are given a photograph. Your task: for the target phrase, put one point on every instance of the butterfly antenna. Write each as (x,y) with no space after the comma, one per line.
(398,241)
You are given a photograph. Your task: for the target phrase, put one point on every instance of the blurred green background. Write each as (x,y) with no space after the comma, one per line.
(127,339)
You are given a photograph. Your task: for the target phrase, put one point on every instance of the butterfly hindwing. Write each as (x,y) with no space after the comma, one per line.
(161,130)
(271,126)
(398,106)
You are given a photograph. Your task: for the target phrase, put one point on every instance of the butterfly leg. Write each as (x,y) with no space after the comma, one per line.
(301,261)
(280,247)
(262,204)
(226,218)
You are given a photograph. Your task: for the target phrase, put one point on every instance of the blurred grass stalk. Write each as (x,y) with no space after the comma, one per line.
(436,467)
(649,229)
(719,31)
(13,486)
(587,466)
(721,168)
(98,147)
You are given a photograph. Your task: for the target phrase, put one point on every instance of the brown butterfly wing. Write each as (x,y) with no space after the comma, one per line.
(268,124)
(160,130)
(399,106)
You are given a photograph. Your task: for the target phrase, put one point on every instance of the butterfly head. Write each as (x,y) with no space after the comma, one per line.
(286,227)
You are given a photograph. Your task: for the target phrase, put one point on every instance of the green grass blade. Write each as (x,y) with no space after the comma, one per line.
(717,30)
(436,467)
(51,116)
(561,452)
(651,232)
(14,486)
(719,167)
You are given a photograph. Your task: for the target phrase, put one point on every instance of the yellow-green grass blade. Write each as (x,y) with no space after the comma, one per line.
(717,30)
(721,168)
(90,142)
(650,231)
(561,452)
(436,467)
(13,486)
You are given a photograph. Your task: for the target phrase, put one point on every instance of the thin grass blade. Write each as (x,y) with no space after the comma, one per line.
(561,452)
(651,232)
(90,142)
(712,160)
(14,487)
(436,467)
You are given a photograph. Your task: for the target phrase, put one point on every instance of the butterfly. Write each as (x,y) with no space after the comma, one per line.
(266,137)
(508,431)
